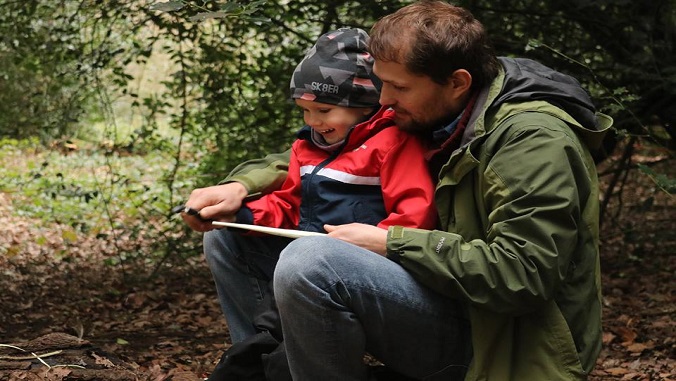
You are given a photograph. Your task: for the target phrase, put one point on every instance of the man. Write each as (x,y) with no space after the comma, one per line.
(516,252)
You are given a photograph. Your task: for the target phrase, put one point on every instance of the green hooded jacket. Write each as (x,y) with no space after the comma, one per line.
(518,239)
(518,244)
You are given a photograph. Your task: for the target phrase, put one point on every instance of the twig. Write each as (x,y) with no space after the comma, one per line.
(622,165)
(67,366)
(12,346)
(33,355)
(41,360)
(39,357)
(666,311)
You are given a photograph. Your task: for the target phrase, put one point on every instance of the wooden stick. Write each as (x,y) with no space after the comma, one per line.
(289,233)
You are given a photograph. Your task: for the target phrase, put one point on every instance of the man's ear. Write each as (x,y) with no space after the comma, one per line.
(461,81)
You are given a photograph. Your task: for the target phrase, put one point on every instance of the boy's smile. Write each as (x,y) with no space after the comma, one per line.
(331,121)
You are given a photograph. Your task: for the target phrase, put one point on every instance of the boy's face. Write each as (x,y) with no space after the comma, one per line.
(331,121)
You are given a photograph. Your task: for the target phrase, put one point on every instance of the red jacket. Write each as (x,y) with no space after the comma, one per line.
(378,177)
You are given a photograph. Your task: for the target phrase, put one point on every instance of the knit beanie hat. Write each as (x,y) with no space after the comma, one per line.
(338,70)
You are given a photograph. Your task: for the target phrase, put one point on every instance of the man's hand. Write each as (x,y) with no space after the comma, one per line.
(366,236)
(219,202)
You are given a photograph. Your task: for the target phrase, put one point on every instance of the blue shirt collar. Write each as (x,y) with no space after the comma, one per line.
(442,134)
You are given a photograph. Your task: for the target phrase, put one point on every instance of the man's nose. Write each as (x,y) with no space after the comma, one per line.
(385,98)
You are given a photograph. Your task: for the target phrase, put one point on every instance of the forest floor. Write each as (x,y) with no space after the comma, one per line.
(169,327)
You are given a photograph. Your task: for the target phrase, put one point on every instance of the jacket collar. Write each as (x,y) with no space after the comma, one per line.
(380,119)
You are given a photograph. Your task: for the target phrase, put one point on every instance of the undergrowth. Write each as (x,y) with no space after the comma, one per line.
(96,192)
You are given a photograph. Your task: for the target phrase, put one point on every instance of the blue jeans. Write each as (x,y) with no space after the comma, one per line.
(338,301)
(242,267)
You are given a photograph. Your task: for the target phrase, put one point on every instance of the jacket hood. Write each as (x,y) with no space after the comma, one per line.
(528,80)
(526,85)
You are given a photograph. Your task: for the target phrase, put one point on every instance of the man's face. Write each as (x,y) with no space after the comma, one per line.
(420,104)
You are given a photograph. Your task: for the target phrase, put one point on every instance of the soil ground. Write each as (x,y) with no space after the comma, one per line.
(170,327)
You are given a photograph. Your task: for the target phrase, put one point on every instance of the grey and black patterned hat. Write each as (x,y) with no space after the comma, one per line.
(338,70)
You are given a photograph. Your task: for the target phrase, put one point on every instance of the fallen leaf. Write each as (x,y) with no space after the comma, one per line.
(627,335)
(608,337)
(617,371)
(102,361)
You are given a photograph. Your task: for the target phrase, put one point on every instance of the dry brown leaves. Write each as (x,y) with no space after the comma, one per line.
(168,327)
(171,328)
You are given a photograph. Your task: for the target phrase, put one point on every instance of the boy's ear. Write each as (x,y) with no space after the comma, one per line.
(367,111)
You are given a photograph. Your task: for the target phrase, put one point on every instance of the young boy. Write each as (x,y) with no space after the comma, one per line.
(348,165)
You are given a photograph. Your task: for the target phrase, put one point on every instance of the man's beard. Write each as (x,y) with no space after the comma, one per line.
(423,128)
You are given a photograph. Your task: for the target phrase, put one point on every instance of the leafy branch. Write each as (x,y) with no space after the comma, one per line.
(533,44)
(226,9)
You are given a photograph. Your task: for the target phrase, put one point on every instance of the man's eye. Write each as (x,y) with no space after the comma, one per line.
(324,110)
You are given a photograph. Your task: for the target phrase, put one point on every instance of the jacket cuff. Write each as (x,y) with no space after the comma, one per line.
(393,234)
(244,216)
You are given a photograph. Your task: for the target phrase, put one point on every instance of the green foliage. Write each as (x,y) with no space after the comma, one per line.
(57,187)
(232,61)
(38,70)
(66,66)
(663,181)
(225,10)
(92,192)
(622,51)
(55,57)
(242,55)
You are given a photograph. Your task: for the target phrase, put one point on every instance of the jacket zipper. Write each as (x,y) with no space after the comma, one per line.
(310,190)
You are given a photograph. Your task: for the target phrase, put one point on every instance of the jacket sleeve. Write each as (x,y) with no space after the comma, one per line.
(408,190)
(533,188)
(261,175)
(280,209)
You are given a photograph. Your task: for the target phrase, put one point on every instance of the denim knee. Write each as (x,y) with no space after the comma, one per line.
(210,242)
(300,255)
(218,246)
